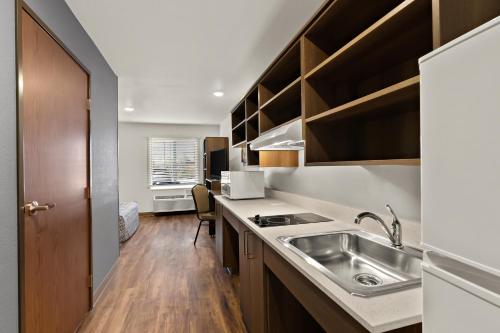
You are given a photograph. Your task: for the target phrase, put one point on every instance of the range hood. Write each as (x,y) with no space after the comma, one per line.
(285,137)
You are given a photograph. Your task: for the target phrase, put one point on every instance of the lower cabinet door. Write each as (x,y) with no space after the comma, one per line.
(219,232)
(252,282)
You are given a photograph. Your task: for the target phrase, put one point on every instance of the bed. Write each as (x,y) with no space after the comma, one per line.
(128,221)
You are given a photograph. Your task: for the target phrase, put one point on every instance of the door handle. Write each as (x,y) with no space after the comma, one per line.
(33,207)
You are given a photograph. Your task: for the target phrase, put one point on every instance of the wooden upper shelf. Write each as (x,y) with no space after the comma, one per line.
(404,91)
(283,107)
(341,22)
(252,103)
(409,15)
(238,115)
(352,76)
(281,75)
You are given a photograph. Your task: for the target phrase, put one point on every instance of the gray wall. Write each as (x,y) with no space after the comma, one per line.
(104,128)
(361,187)
(59,18)
(8,171)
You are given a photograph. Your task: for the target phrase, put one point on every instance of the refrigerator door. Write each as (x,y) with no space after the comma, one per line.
(459,298)
(460,126)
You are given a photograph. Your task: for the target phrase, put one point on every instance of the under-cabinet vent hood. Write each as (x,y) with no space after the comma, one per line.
(285,137)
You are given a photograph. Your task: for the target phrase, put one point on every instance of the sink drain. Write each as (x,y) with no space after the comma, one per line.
(367,280)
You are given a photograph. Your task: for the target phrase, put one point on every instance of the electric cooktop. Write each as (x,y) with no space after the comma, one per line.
(287,219)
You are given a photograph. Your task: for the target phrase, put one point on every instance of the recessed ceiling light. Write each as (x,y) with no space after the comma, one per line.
(218,94)
(128,109)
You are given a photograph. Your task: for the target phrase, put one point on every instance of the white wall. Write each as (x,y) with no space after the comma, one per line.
(133,155)
(363,187)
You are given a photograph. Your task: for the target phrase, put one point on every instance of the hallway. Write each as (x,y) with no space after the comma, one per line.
(162,283)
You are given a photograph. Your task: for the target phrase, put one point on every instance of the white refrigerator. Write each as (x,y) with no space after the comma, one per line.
(460,128)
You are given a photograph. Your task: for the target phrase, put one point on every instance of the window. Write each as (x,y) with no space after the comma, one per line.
(174,161)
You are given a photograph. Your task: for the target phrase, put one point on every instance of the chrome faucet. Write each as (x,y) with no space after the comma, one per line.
(397,232)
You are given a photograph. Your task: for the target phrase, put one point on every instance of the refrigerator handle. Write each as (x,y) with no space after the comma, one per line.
(482,284)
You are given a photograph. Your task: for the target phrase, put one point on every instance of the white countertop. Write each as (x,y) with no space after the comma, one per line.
(377,314)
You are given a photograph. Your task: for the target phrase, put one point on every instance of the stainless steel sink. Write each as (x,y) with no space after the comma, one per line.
(363,264)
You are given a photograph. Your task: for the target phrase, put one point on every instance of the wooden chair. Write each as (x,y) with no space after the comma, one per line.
(201,202)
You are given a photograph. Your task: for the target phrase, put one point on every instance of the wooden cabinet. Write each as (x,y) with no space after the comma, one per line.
(361,102)
(211,144)
(227,239)
(453,18)
(241,250)
(352,75)
(279,158)
(274,296)
(238,123)
(252,281)
(219,249)
(279,91)
(297,305)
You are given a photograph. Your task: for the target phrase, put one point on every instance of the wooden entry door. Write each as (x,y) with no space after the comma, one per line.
(55,235)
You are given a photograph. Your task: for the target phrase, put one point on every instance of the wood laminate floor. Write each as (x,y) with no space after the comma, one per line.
(162,283)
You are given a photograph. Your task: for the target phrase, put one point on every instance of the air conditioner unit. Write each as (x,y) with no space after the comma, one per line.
(173,203)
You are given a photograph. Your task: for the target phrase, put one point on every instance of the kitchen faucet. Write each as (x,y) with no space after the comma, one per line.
(397,232)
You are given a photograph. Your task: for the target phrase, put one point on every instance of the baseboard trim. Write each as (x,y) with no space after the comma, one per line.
(147,214)
(176,212)
(104,284)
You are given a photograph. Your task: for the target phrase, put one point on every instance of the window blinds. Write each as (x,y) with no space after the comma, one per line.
(173,161)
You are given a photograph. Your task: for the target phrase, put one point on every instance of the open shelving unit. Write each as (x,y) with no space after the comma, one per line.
(352,76)
(385,54)
(245,122)
(252,127)
(386,133)
(361,103)
(453,18)
(238,123)
(341,22)
(252,103)
(283,73)
(400,92)
(280,91)
(238,114)
(239,135)
(252,156)
(283,107)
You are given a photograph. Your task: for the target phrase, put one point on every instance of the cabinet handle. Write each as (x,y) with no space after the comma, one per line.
(247,236)
(245,243)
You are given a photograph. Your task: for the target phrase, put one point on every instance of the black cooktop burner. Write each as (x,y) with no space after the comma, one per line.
(288,219)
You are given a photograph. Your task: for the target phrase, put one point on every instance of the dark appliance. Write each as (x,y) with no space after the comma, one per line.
(287,219)
(217,163)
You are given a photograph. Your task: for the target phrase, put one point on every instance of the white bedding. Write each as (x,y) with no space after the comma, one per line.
(128,220)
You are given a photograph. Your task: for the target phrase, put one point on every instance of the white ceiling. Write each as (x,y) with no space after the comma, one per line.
(171,55)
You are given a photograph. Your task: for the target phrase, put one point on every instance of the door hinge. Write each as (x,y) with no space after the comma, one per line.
(89,104)
(88,193)
(91,281)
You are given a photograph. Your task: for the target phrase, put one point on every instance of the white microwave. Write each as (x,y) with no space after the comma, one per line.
(242,184)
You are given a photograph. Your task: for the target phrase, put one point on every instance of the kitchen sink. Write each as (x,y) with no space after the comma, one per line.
(362,263)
